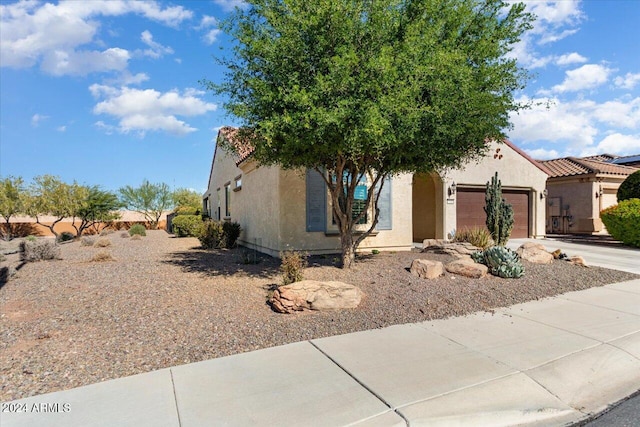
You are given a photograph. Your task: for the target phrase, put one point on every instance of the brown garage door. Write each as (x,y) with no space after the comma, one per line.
(470,212)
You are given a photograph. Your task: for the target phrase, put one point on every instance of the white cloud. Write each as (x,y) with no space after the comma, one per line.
(37,118)
(141,110)
(129,79)
(629,81)
(588,76)
(570,58)
(156,50)
(61,128)
(211,36)
(229,5)
(616,143)
(207,22)
(543,154)
(56,35)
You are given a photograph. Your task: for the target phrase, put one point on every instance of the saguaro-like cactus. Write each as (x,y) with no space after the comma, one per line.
(499,212)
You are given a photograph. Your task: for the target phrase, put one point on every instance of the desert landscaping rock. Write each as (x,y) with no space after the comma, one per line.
(578,260)
(427,269)
(316,296)
(457,249)
(468,268)
(165,302)
(535,253)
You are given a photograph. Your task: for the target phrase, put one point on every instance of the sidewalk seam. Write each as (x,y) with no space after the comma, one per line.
(363,385)
(175,398)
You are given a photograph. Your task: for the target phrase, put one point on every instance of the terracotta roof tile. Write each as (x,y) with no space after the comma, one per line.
(571,166)
(239,141)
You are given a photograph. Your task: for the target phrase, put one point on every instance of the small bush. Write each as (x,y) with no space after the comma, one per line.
(65,236)
(292,264)
(477,236)
(623,221)
(137,229)
(630,187)
(87,241)
(102,243)
(375,251)
(39,250)
(31,238)
(102,256)
(211,234)
(231,232)
(106,231)
(124,235)
(187,225)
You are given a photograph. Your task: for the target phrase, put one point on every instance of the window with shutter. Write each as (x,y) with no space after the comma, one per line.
(316,201)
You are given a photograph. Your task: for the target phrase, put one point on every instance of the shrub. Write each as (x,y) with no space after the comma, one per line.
(375,251)
(124,235)
(501,261)
(137,229)
(231,232)
(102,256)
(623,221)
(211,234)
(187,225)
(39,250)
(31,238)
(477,236)
(87,241)
(630,187)
(65,236)
(292,264)
(102,243)
(106,231)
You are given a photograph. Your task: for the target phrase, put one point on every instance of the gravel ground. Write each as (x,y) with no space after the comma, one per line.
(165,302)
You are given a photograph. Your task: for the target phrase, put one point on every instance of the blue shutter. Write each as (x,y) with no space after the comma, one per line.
(316,201)
(384,204)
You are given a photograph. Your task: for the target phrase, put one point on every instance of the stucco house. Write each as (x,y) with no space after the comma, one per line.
(291,210)
(579,188)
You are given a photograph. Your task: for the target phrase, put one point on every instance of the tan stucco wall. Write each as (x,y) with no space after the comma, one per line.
(514,171)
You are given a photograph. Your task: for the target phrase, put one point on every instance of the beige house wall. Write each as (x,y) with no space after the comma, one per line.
(514,171)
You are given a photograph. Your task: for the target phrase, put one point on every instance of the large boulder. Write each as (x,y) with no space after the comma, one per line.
(314,295)
(535,253)
(457,249)
(426,269)
(467,267)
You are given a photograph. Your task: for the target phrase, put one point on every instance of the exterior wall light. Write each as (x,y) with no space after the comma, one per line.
(544,194)
(452,188)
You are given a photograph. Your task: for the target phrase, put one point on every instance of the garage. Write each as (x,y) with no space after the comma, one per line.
(470,209)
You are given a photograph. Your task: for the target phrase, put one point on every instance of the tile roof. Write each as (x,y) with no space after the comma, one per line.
(626,159)
(240,142)
(571,166)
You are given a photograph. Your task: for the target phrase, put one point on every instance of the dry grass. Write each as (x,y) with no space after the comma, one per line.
(102,243)
(102,256)
(87,241)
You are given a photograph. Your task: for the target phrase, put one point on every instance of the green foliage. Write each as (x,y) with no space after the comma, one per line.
(292,264)
(51,196)
(231,232)
(12,201)
(630,187)
(151,200)
(137,230)
(501,261)
(187,225)
(65,236)
(97,206)
(211,235)
(623,221)
(499,213)
(31,238)
(186,202)
(477,236)
(39,250)
(375,251)
(372,88)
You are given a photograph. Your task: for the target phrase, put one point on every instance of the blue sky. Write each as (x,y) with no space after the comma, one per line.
(107,92)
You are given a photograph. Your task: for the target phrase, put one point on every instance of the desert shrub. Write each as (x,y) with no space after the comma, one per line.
(292,264)
(136,237)
(106,231)
(477,236)
(87,241)
(375,251)
(623,221)
(102,256)
(187,225)
(501,261)
(39,250)
(231,232)
(137,229)
(65,236)
(31,238)
(630,187)
(102,243)
(211,234)
(124,234)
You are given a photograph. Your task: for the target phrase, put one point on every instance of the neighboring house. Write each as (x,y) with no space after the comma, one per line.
(580,188)
(291,210)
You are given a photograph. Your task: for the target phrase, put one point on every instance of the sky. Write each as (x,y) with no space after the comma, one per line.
(108,92)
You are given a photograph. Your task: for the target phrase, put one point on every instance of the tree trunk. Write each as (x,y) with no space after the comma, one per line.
(348,251)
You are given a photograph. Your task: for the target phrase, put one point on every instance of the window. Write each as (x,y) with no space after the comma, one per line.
(360,200)
(237,183)
(227,199)
(218,210)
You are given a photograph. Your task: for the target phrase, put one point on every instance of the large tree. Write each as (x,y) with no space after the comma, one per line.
(186,201)
(97,208)
(151,200)
(372,88)
(49,195)
(12,202)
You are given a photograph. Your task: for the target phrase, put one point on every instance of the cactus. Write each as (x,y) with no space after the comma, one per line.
(501,261)
(499,212)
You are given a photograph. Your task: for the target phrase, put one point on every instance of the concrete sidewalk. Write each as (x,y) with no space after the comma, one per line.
(549,362)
